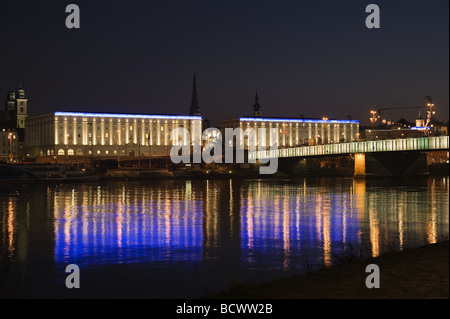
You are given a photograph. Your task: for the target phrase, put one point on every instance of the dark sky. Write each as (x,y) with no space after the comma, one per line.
(315,58)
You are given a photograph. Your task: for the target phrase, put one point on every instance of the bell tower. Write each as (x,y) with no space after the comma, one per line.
(21,107)
(10,103)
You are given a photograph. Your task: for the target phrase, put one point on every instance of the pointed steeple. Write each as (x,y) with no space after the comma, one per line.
(195,109)
(256,107)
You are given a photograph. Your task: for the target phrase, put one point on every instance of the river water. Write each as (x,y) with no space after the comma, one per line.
(193,238)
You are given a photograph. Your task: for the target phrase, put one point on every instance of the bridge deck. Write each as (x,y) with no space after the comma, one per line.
(392,145)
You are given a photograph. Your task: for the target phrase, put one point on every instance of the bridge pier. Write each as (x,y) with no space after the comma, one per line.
(360,165)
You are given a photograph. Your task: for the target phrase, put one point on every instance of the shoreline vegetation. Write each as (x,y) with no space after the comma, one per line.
(413,273)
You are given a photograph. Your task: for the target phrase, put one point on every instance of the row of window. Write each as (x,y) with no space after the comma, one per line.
(79,152)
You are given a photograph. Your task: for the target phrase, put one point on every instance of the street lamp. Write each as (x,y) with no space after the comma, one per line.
(430,113)
(374,118)
(10,137)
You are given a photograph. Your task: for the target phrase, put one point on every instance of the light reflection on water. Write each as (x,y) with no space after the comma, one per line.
(202,235)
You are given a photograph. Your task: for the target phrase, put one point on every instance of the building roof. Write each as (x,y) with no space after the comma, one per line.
(123,115)
(296,120)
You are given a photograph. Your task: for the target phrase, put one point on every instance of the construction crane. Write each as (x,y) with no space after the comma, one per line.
(380,110)
(378,114)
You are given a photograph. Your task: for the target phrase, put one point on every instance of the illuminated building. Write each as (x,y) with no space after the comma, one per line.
(293,131)
(9,145)
(110,134)
(12,125)
(106,134)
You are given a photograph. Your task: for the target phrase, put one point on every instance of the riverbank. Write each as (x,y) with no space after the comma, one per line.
(417,273)
(155,174)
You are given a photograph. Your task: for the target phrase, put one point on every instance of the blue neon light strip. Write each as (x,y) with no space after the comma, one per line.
(420,128)
(258,119)
(134,116)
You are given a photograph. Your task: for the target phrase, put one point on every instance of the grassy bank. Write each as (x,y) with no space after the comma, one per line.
(418,273)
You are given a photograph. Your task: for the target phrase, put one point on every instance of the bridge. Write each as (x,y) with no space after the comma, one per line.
(369,157)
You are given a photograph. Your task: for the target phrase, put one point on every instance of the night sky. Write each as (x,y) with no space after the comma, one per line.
(315,58)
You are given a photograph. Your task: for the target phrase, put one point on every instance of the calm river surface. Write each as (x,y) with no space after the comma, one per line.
(188,239)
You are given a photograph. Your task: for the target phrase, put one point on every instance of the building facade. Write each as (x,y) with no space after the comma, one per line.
(10,147)
(291,132)
(105,135)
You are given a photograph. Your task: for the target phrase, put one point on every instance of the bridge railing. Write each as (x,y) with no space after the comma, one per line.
(406,144)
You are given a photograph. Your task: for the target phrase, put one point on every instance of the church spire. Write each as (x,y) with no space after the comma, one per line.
(256,107)
(195,109)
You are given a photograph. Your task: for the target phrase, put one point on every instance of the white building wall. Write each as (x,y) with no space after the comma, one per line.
(105,135)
